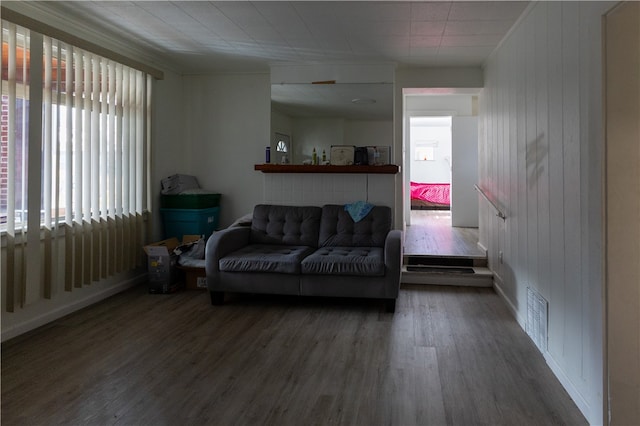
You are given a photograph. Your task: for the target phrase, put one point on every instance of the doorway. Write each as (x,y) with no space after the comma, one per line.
(430,158)
(440,170)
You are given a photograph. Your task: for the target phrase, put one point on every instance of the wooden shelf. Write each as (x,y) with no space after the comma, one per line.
(389,169)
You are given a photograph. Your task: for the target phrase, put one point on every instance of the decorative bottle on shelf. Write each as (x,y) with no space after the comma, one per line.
(267,155)
(314,157)
(324,156)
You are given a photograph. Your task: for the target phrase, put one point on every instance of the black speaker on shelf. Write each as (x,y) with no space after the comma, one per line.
(361,157)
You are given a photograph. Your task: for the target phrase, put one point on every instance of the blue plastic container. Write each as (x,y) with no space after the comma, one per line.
(179,222)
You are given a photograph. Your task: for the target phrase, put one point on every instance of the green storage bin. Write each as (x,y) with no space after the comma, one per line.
(179,222)
(189,201)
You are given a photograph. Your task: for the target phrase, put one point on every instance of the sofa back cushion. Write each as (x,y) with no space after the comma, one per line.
(285,225)
(337,228)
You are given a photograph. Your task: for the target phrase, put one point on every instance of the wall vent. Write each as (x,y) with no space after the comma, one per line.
(537,318)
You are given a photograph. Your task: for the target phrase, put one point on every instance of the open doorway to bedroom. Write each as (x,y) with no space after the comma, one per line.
(430,170)
(440,139)
(431,231)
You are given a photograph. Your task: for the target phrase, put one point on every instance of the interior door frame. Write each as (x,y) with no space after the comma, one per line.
(406,151)
(621,79)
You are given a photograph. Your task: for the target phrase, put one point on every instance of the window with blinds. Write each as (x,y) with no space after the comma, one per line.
(73,162)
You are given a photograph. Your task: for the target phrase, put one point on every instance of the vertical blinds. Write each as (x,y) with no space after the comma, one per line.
(73,172)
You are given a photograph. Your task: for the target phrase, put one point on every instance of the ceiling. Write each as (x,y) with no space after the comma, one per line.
(193,37)
(202,36)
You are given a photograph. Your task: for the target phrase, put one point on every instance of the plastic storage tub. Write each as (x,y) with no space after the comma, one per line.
(179,222)
(189,201)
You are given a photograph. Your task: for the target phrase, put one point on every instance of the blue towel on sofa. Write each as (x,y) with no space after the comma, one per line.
(358,210)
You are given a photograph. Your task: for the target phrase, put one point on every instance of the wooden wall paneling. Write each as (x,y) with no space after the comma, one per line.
(510,225)
(502,148)
(520,258)
(493,164)
(481,170)
(542,148)
(498,146)
(500,75)
(543,113)
(531,148)
(592,196)
(556,178)
(506,144)
(483,227)
(572,334)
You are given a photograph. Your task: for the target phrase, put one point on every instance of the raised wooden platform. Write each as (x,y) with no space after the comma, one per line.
(438,254)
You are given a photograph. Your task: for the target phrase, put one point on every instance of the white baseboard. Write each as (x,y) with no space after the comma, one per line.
(498,288)
(576,396)
(67,309)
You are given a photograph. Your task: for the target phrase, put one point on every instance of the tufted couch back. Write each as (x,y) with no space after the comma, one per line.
(327,226)
(286,225)
(338,229)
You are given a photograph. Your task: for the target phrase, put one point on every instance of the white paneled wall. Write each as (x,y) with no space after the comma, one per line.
(540,159)
(316,189)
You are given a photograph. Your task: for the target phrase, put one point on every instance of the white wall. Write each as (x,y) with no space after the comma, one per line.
(464,172)
(541,159)
(168,143)
(439,169)
(438,105)
(226,128)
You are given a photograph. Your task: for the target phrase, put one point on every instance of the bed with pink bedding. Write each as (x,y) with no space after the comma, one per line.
(430,196)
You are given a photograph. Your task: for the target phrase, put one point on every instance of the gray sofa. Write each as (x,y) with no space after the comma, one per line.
(307,251)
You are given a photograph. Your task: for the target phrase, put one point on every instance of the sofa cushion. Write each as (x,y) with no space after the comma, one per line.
(285,225)
(364,261)
(337,228)
(265,258)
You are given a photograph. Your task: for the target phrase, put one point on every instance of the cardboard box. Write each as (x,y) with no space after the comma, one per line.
(194,278)
(162,264)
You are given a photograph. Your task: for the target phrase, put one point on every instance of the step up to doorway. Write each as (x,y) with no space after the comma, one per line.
(440,260)
(447,270)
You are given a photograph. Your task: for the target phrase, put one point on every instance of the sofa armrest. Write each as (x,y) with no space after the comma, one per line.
(393,257)
(223,242)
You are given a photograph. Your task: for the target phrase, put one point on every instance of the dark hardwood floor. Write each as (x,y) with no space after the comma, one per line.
(449,355)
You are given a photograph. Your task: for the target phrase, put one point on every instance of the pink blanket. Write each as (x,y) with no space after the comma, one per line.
(437,193)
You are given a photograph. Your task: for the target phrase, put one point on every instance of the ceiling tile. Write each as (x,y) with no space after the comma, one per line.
(255,34)
(477,40)
(430,11)
(428,28)
(455,28)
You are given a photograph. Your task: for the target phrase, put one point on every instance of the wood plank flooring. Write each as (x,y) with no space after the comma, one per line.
(448,356)
(431,233)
